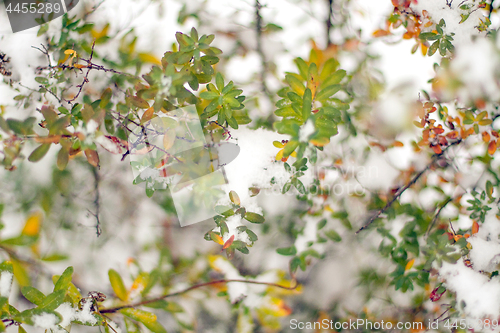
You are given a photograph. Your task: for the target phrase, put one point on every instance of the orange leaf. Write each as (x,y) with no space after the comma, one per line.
(228,242)
(409,265)
(486,136)
(398,144)
(475,227)
(92,157)
(320,142)
(437,149)
(492,147)
(452,135)
(147,115)
(381,33)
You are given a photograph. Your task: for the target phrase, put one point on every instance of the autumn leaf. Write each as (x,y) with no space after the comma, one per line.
(228,242)
(92,157)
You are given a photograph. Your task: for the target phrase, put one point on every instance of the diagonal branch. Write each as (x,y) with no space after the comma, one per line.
(398,194)
(152,300)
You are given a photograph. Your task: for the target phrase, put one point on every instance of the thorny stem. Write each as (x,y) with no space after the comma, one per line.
(415,178)
(152,300)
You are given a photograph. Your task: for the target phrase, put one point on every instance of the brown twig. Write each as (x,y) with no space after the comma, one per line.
(329,23)
(152,300)
(415,178)
(97,203)
(437,215)
(86,77)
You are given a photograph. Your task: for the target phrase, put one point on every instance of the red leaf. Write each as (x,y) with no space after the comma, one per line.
(434,296)
(228,242)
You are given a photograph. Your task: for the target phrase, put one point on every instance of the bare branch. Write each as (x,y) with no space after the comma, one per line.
(415,178)
(152,300)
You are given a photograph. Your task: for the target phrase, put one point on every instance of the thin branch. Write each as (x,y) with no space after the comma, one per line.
(86,77)
(260,51)
(415,178)
(437,215)
(97,203)
(152,300)
(329,22)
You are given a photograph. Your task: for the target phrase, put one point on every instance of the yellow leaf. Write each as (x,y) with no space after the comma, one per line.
(69,51)
(320,142)
(140,282)
(117,284)
(148,57)
(278,144)
(279,155)
(20,273)
(32,225)
(98,34)
(409,265)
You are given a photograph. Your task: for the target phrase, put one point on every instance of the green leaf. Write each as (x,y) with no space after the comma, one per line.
(6,266)
(39,152)
(307,104)
(433,48)
(219,81)
(321,224)
(299,186)
(62,159)
(33,295)
(254,217)
(328,68)
(209,95)
(295,84)
(21,240)
(117,284)
(41,79)
(55,257)
(428,36)
(290,147)
(53,300)
(29,316)
(335,78)
(333,235)
(251,235)
(294,264)
(287,251)
(64,280)
(105,97)
(327,92)
(302,66)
